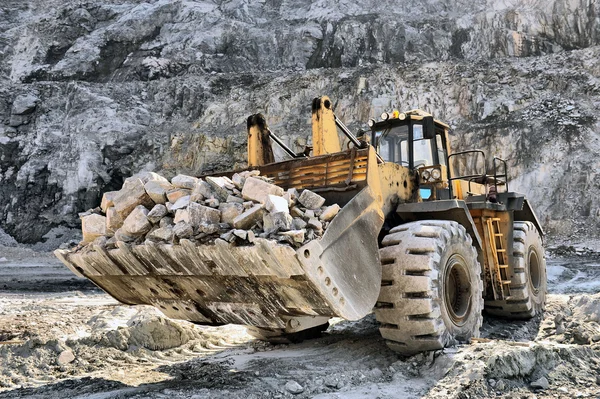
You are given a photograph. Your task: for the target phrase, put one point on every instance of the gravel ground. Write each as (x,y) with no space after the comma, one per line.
(62,337)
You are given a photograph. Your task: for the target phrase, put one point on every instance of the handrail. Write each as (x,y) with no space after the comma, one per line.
(470,177)
(496,175)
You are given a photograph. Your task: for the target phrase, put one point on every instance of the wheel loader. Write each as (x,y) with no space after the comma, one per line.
(425,238)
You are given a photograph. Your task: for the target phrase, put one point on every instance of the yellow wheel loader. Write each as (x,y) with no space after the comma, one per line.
(426,246)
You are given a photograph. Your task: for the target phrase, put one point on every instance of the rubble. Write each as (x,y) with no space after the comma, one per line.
(150,209)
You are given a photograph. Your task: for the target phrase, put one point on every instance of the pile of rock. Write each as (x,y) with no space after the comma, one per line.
(149,208)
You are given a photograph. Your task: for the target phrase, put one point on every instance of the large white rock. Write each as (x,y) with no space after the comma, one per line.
(281,221)
(329,213)
(175,194)
(220,186)
(311,200)
(229,211)
(257,190)
(113,221)
(182,215)
(131,195)
(200,214)
(184,181)
(157,213)
(157,190)
(93,226)
(249,218)
(275,204)
(137,224)
(181,203)
(107,200)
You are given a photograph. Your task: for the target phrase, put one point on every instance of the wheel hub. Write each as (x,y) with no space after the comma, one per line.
(534,270)
(457,290)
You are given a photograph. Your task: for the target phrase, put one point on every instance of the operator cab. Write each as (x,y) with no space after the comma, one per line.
(416,141)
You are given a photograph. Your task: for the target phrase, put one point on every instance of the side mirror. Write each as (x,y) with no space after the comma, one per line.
(428,128)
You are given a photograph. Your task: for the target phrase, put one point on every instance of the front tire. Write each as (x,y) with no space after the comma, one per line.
(528,283)
(431,294)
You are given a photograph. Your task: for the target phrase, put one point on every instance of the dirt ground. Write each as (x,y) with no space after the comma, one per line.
(60,337)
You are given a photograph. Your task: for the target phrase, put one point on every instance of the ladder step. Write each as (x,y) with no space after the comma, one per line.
(498,235)
(496,219)
(500,250)
(503,266)
(505,281)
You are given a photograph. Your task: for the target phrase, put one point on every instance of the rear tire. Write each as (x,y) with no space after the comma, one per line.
(528,283)
(431,293)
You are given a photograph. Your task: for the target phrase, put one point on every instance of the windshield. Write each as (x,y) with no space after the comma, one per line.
(392,145)
(422,148)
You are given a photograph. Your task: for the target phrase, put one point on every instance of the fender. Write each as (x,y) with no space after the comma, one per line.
(453,209)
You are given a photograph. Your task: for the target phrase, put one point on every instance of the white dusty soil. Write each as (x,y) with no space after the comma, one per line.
(62,338)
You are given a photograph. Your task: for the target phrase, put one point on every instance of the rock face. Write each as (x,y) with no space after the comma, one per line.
(93,92)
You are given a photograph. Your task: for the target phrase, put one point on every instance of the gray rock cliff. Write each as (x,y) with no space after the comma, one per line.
(92,92)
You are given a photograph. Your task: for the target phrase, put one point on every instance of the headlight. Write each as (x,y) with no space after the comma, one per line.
(371,122)
(385,116)
(436,174)
(425,175)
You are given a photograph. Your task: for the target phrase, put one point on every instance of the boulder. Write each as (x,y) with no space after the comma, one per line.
(107,200)
(166,221)
(66,357)
(113,221)
(137,224)
(24,104)
(275,204)
(200,214)
(181,215)
(145,177)
(329,213)
(184,181)
(162,234)
(249,218)
(279,221)
(229,211)
(183,230)
(203,189)
(233,198)
(93,226)
(315,224)
(131,195)
(181,203)
(243,234)
(311,200)
(157,190)
(295,235)
(176,193)
(257,190)
(220,186)
(157,213)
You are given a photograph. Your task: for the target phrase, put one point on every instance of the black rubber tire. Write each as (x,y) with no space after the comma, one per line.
(528,280)
(431,293)
(278,336)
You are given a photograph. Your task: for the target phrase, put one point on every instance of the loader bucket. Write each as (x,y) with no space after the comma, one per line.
(336,275)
